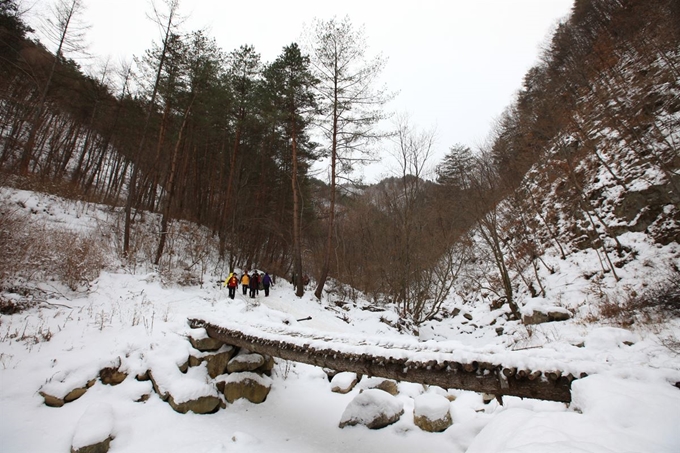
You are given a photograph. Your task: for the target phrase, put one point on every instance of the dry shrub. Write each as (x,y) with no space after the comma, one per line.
(189,249)
(80,259)
(10,307)
(31,252)
(658,302)
(16,242)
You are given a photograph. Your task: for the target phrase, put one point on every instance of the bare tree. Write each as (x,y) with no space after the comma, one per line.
(486,187)
(65,29)
(351,106)
(412,150)
(169,25)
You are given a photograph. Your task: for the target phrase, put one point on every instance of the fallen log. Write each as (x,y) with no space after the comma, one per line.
(492,378)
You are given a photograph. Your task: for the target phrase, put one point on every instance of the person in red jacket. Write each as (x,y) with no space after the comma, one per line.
(232,283)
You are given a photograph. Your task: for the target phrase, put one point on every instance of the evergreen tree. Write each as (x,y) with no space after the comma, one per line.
(290,82)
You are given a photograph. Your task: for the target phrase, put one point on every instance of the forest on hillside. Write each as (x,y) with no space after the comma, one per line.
(586,152)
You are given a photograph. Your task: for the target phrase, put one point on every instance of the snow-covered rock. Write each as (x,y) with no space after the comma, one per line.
(251,386)
(65,387)
(387,385)
(95,430)
(372,408)
(112,375)
(539,311)
(200,340)
(245,362)
(344,382)
(217,362)
(431,412)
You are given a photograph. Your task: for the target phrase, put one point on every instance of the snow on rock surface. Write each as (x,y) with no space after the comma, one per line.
(432,412)
(245,362)
(372,408)
(95,426)
(344,382)
(432,406)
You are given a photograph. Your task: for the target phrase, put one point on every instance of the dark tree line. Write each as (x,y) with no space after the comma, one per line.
(193,133)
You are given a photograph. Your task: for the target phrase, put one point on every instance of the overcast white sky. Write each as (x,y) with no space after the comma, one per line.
(455,63)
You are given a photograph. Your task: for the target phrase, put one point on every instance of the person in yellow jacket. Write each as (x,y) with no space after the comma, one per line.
(245,282)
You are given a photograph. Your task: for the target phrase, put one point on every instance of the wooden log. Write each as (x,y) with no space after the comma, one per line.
(553,375)
(470,367)
(453,375)
(534,375)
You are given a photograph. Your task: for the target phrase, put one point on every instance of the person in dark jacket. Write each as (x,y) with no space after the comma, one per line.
(253,284)
(266,283)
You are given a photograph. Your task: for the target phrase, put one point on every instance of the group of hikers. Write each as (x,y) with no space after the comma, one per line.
(254,282)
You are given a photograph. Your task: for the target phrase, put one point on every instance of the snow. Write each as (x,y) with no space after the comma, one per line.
(135,320)
(432,406)
(250,359)
(264,381)
(610,415)
(95,426)
(343,380)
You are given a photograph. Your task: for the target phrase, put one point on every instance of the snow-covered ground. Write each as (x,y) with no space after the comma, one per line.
(627,404)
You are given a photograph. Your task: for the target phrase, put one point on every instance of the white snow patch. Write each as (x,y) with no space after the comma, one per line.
(94,426)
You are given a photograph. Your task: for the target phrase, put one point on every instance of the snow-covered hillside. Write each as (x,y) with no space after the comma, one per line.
(138,319)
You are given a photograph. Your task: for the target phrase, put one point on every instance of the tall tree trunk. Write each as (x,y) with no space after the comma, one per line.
(140,149)
(297,248)
(228,208)
(171,186)
(39,109)
(325,269)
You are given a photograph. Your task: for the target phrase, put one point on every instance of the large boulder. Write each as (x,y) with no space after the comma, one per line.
(431,412)
(373,408)
(344,382)
(250,386)
(94,431)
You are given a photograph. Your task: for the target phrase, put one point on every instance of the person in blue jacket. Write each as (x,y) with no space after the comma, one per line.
(266,283)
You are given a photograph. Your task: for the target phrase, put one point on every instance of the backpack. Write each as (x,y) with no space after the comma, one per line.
(233,282)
